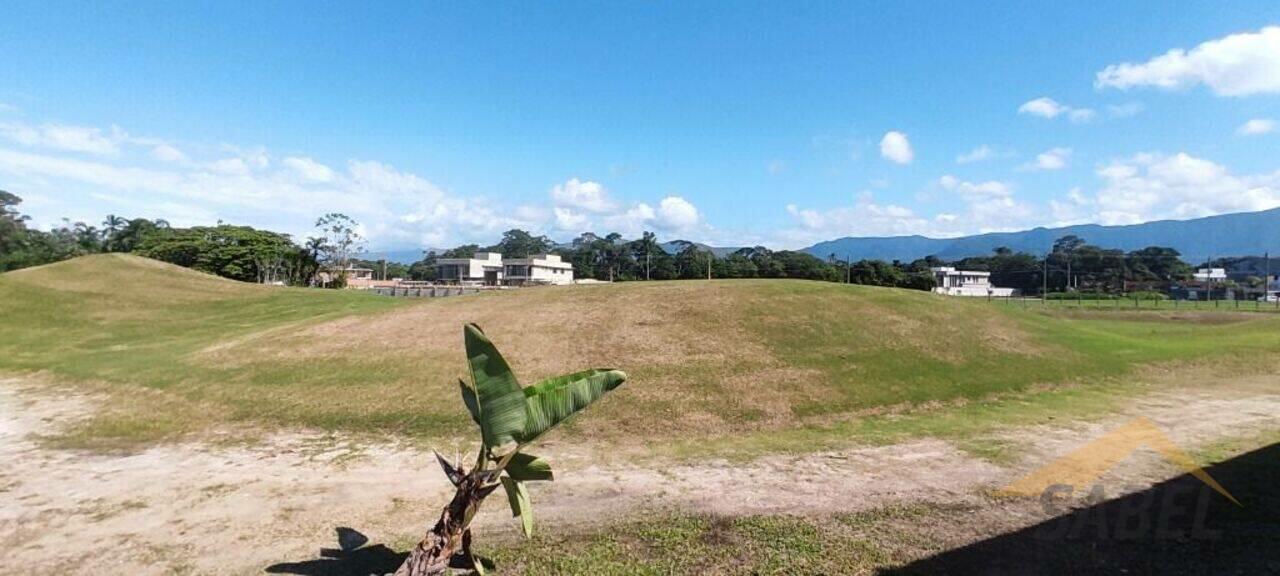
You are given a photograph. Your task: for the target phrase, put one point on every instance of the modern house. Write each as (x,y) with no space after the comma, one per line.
(537,269)
(483,268)
(952,282)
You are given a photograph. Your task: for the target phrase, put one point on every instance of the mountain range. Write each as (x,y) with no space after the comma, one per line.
(1199,239)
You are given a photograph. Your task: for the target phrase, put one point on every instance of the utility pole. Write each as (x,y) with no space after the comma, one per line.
(710,256)
(646,262)
(1266,276)
(1044,292)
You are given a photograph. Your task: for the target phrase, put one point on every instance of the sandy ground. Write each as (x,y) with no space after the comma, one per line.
(208,509)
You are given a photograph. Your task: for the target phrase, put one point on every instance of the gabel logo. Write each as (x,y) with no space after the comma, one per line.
(1083,466)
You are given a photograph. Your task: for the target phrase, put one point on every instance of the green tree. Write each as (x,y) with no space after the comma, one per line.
(341,240)
(237,252)
(518,243)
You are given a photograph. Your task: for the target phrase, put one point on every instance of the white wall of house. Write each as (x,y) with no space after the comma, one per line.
(952,282)
(538,269)
(484,266)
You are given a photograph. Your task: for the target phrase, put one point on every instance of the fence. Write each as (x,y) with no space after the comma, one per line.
(425,291)
(1143,304)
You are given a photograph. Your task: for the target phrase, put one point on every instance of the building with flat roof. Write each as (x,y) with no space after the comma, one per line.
(952,282)
(537,269)
(483,268)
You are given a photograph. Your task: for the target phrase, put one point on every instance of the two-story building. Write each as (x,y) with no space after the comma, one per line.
(537,269)
(952,282)
(490,268)
(483,268)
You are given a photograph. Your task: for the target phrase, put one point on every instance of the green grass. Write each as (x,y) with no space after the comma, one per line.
(679,544)
(733,366)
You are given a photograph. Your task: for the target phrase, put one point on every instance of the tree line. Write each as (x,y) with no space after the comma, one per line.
(238,252)
(253,255)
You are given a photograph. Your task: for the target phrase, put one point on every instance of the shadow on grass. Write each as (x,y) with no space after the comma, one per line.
(1180,526)
(351,558)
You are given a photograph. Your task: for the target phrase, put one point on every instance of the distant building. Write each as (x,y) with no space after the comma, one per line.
(484,268)
(537,269)
(952,282)
(355,277)
(1211,274)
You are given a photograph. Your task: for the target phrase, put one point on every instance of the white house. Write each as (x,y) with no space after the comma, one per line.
(484,268)
(537,269)
(1211,274)
(952,282)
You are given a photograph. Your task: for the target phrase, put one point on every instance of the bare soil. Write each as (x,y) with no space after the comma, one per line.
(209,508)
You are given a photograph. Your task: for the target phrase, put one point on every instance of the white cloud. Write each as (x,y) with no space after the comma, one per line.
(978,154)
(1046,107)
(1052,159)
(1236,65)
(987,207)
(895,147)
(865,217)
(776,166)
(1150,186)
(64,137)
(1125,110)
(590,196)
(677,214)
(1256,127)
(146,177)
(167,153)
(309,169)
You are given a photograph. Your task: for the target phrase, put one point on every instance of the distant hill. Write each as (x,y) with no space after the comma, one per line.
(675,246)
(1243,234)
(402,256)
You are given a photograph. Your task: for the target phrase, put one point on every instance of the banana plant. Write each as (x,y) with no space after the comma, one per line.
(510,418)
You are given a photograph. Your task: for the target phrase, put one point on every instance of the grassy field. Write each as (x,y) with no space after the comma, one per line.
(712,364)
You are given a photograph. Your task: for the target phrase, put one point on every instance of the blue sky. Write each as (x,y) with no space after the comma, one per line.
(732,123)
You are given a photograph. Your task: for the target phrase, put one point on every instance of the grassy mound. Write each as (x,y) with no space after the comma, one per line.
(181,351)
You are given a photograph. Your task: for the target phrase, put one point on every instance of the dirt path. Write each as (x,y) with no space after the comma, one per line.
(198,508)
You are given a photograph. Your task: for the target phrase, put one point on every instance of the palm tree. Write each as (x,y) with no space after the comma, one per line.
(111,228)
(510,418)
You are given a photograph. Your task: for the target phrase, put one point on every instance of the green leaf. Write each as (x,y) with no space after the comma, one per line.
(469,398)
(552,401)
(527,467)
(500,400)
(518,497)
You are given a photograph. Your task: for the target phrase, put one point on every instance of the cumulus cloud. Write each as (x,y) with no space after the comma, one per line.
(865,217)
(1150,186)
(677,214)
(1235,65)
(1046,107)
(583,195)
(896,148)
(986,206)
(1256,127)
(1052,159)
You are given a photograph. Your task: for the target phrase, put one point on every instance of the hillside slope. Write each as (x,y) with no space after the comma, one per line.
(1244,234)
(179,351)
